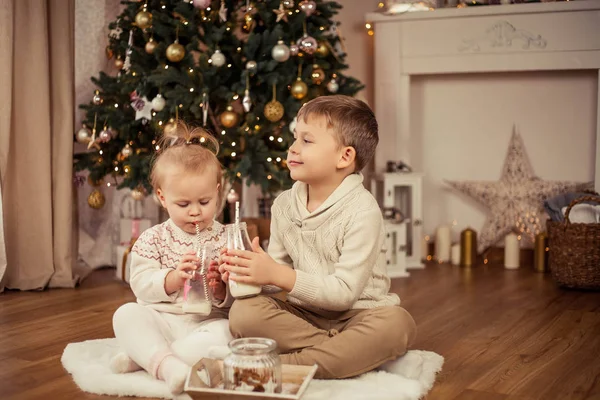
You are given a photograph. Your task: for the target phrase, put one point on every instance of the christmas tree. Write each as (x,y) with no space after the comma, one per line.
(241,69)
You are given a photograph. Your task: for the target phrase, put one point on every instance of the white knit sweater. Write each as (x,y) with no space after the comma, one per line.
(337,250)
(158,251)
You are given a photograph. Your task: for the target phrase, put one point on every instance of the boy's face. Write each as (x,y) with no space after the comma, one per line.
(189,197)
(316,154)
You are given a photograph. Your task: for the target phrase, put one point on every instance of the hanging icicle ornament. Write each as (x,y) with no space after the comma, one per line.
(127,62)
(204,106)
(274,109)
(247,101)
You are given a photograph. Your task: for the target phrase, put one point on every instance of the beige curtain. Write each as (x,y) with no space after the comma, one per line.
(36,131)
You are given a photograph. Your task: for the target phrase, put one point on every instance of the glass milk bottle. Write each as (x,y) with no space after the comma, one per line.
(197,295)
(237,238)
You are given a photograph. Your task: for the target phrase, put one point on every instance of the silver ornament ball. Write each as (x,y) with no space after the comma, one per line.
(293,124)
(158,103)
(333,86)
(251,66)
(84,135)
(97,100)
(232,196)
(218,58)
(280,52)
(126,151)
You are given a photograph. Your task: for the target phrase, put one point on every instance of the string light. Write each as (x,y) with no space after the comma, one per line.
(101,152)
(269,177)
(108,184)
(160,123)
(233,154)
(166,67)
(239,174)
(370,30)
(223,132)
(191,89)
(279,140)
(116,169)
(271,138)
(235,96)
(157,147)
(232,143)
(278,159)
(269,159)
(116,105)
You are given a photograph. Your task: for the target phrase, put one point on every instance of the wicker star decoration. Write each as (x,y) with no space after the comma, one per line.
(515,202)
(281,13)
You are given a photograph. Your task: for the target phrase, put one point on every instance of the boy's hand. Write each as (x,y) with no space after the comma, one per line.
(215,282)
(254,267)
(184,270)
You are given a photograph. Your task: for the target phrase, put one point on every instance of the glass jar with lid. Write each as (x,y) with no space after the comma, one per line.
(253,366)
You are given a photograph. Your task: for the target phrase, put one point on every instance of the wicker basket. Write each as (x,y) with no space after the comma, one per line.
(574,257)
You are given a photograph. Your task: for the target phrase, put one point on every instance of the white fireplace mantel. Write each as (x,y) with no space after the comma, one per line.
(506,38)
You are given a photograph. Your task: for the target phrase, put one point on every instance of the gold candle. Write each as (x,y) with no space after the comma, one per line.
(468,247)
(540,252)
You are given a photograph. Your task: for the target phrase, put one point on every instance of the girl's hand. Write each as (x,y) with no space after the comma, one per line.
(184,270)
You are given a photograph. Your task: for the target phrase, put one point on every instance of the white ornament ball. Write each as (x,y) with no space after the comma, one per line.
(293,124)
(251,66)
(333,86)
(218,58)
(84,135)
(158,103)
(232,196)
(203,4)
(280,52)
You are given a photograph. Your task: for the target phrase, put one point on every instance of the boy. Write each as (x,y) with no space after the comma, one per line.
(327,251)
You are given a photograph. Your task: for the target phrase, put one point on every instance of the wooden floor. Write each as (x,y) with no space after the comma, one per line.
(504,334)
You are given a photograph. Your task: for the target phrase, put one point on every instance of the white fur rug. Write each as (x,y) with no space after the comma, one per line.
(88,363)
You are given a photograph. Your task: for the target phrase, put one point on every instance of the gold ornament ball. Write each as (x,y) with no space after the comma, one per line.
(317,75)
(150,46)
(229,118)
(170,127)
(248,23)
(138,194)
(322,50)
(299,89)
(119,63)
(96,199)
(274,111)
(143,19)
(175,52)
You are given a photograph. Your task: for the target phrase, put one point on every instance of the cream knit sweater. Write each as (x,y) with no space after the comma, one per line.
(157,252)
(337,250)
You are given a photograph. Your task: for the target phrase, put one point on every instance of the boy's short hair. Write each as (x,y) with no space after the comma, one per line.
(351,119)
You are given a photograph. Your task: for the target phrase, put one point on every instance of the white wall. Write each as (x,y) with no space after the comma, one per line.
(464,123)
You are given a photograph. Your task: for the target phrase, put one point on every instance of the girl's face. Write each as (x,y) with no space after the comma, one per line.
(189,198)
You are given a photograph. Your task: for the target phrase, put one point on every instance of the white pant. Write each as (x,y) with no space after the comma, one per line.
(143,332)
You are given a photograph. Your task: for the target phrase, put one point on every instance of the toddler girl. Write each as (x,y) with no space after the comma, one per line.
(154,332)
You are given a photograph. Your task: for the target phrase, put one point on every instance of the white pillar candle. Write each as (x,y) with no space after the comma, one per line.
(455,257)
(511,251)
(442,243)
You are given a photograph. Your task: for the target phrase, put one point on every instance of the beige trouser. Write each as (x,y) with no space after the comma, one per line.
(342,344)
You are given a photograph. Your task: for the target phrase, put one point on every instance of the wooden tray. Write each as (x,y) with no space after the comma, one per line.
(296,379)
